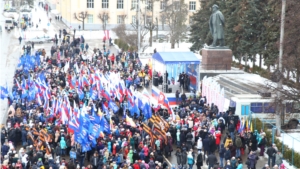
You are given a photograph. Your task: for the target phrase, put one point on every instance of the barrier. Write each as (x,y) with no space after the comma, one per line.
(286,143)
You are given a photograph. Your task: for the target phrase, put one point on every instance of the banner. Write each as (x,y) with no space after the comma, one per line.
(192,72)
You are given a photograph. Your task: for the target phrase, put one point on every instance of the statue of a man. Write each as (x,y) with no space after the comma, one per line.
(216,26)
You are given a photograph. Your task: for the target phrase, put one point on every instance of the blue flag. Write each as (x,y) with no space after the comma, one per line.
(85,147)
(147,111)
(113,106)
(133,110)
(105,127)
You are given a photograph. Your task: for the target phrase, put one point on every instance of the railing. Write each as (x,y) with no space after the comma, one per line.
(286,143)
(215,67)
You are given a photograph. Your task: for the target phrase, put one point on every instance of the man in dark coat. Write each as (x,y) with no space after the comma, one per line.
(271,151)
(206,147)
(184,157)
(211,160)
(178,156)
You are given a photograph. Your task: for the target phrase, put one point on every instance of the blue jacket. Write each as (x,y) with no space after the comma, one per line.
(63,144)
(190,160)
(240,166)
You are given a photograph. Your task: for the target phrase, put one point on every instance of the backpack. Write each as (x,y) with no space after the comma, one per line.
(238,142)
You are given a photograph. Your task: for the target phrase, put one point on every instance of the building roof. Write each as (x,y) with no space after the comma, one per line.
(242,84)
(176,57)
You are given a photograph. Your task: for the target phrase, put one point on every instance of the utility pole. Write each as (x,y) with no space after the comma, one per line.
(156,28)
(279,83)
(139,28)
(19,6)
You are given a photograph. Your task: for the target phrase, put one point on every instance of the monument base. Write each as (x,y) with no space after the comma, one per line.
(216,59)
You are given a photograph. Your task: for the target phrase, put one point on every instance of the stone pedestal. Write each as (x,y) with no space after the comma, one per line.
(216,59)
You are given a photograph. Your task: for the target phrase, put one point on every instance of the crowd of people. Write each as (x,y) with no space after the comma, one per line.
(197,135)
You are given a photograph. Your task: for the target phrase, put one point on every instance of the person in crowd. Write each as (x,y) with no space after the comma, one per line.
(271,152)
(211,160)
(278,158)
(222,155)
(199,162)
(252,160)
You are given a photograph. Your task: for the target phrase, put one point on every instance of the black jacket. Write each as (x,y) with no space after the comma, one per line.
(271,151)
(211,160)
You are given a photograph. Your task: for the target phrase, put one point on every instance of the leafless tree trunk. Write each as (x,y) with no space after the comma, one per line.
(104,19)
(81,16)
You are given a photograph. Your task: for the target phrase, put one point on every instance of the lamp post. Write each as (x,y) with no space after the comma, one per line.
(156,28)
(279,83)
(139,28)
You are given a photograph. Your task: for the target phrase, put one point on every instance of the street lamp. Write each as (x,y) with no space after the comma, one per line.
(156,28)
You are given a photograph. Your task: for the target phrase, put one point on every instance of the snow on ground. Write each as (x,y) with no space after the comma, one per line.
(292,140)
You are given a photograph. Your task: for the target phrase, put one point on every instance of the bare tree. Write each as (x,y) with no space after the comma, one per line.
(81,16)
(131,37)
(104,19)
(176,15)
(123,18)
(150,24)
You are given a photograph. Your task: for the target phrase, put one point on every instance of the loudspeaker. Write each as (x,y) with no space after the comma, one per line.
(170,90)
(155,81)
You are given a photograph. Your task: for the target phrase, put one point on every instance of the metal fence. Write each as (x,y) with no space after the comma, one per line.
(288,143)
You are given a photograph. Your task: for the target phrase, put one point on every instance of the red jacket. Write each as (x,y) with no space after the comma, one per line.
(218,138)
(136,166)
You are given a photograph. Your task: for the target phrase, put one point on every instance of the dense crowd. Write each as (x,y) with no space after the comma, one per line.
(197,135)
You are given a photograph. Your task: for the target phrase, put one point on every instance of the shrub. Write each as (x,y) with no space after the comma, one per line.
(286,151)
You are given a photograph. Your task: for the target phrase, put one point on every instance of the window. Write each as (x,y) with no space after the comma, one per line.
(90,4)
(162,5)
(133,19)
(120,19)
(90,18)
(192,6)
(133,4)
(105,3)
(120,4)
(149,5)
(269,108)
(256,107)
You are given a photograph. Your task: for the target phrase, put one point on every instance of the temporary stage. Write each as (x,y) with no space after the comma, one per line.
(175,63)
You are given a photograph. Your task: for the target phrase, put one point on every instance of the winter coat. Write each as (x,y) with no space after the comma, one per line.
(222,151)
(233,163)
(227,154)
(240,166)
(271,151)
(130,156)
(252,160)
(142,155)
(199,144)
(278,159)
(184,157)
(178,156)
(206,143)
(218,138)
(63,144)
(199,160)
(190,159)
(227,142)
(152,164)
(211,159)
(94,160)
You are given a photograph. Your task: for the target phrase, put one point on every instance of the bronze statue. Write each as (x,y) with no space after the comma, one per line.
(216,26)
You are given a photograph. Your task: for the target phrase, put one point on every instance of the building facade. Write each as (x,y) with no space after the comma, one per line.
(114,12)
